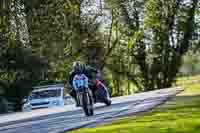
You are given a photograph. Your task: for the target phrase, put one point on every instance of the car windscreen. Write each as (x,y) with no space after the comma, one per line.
(45,94)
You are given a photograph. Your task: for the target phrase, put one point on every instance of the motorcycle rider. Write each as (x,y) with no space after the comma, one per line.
(79,68)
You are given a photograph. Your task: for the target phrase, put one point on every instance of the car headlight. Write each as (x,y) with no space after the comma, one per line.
(55,102)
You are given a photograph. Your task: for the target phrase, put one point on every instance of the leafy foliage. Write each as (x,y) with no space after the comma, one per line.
(138,44)
(158,33)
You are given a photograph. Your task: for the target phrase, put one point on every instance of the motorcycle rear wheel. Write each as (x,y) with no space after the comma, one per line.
(107,102)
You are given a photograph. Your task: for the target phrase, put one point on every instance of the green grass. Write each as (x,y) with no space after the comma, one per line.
(179,115)
(186,80)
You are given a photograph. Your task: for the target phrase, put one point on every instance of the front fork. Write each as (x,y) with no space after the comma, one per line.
(80,96)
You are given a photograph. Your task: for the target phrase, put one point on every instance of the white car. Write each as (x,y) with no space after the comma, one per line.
(45,97)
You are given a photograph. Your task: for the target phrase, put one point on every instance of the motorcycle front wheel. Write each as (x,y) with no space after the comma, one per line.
(87,104)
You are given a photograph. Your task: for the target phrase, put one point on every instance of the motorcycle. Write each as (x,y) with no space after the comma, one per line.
(101,93)
(84,94)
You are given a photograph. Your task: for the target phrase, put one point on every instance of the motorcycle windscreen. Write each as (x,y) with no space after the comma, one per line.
(80,81)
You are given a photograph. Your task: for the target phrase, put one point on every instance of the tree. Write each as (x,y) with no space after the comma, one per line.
(17,74)
(158,33)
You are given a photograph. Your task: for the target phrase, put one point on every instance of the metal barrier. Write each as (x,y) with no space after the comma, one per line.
(10,107)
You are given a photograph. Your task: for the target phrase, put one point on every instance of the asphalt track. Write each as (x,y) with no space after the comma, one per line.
(67,118)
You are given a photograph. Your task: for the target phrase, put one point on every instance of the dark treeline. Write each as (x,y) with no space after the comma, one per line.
(138,44)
